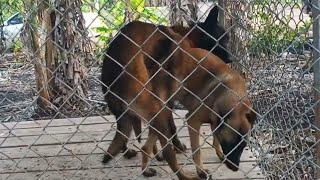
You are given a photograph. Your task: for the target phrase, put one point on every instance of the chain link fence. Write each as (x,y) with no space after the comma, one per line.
(57,123)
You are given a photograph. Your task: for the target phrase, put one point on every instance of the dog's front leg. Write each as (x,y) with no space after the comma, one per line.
(169,154)
(157,154)
(216,144)
(194,131)
(178,145)
(217,147)
(146,153)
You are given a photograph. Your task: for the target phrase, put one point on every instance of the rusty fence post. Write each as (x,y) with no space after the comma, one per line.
(316,68)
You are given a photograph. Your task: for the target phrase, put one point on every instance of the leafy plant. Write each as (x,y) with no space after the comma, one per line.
(115,18)
(10,7)
(137,5)
(273,37)
(151,15)
(113,22)
(17,46)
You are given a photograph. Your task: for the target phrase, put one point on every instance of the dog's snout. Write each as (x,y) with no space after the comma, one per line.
(233,158)
(232,166)
(233,161)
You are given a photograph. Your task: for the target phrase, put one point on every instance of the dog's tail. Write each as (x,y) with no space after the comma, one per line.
(136,124)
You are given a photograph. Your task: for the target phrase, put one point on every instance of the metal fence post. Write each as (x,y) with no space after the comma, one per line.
(2,43)
(316,68)
(221,12)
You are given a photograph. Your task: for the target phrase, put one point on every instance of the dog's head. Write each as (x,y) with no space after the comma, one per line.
(219,38)
(233,132)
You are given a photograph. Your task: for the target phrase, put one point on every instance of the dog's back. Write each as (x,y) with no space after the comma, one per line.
(137,44)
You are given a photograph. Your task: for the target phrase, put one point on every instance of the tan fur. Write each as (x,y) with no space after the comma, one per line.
(209,73)
(143,88)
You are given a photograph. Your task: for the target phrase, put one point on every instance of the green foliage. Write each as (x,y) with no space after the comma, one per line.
(9,8)
(86,7)
(17,46)
(115,17)
(152,15)
(282,2)
(113,22)
(272,38)
(302,31)
(95,5)
(137,5)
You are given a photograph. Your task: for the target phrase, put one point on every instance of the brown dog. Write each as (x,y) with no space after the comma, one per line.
(216,94)
(154,43)
(213,93)
(142,88)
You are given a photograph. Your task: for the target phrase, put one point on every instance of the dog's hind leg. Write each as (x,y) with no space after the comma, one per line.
(119,142)
(136,124)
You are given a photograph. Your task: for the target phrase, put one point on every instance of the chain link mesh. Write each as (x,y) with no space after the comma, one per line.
(56,124)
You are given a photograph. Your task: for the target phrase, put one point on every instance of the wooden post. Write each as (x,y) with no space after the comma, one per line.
(316,68)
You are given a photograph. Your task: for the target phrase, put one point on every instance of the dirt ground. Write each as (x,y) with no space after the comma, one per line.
(18,92)
(284,136)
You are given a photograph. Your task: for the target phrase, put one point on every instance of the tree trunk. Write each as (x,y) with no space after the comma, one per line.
(183,12)
(155,3)
(175,13)
(238,34)
(60,52)
(47,26)
(132,12)
(71,53)
(192,11)
(129,15)
(30,36)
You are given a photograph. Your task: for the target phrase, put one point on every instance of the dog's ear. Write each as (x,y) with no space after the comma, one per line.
(251,116)
(212,18)
(243,74)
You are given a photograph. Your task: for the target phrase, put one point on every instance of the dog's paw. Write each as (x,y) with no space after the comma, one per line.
(106,158)
(159,157)
(180,148)
(149,172)
(130,153)
(189,177)
(204,174)
(220,155)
